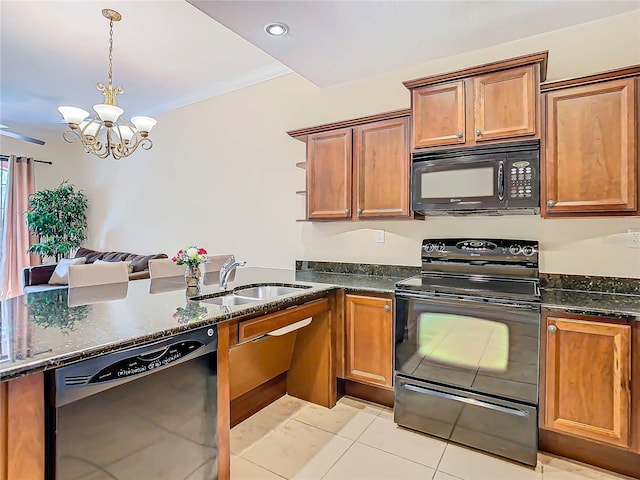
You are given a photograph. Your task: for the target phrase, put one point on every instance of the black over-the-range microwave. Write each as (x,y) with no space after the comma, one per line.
(487,179)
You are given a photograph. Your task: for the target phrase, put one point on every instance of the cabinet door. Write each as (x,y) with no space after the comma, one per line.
(505,104)
(22,428)
(591,163)
(438,115)
(329,165)
(369,339)
(588,379)
(381,158)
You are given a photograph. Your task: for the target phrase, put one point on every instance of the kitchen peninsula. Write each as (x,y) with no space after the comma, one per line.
(42,332)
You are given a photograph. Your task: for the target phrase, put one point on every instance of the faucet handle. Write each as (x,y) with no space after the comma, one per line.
(229,261)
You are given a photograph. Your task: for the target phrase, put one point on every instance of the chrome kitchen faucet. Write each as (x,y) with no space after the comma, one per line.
(229,266)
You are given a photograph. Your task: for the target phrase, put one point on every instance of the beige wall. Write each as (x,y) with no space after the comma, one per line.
(65,159)
(222,174)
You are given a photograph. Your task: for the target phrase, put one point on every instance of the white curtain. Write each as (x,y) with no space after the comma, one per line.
(15,234)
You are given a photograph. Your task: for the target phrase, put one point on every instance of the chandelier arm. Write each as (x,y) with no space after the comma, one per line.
(70,136)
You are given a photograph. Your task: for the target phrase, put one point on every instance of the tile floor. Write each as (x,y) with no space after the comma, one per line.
(294,439)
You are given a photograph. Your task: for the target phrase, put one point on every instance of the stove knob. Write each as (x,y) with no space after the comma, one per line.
(528,251)
(429,247)
(515,249)
(440,247)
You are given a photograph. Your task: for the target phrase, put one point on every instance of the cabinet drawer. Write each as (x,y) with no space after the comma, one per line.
(250,329)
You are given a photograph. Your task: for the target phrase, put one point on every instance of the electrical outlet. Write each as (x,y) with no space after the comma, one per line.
(632,239)
(379,236)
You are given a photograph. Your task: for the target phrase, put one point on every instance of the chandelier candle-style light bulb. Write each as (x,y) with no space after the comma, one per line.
(108,133)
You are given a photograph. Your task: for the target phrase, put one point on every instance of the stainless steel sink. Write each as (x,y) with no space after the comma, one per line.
(266,292)
(229,300)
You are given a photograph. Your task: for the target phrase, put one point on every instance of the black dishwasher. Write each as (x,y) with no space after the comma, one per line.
(145,413)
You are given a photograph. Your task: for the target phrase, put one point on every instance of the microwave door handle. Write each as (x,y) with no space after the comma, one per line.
(501,180)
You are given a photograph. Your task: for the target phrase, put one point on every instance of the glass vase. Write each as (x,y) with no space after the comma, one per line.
(192,278)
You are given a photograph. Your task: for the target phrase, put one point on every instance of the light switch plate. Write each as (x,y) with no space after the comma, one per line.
(379,236)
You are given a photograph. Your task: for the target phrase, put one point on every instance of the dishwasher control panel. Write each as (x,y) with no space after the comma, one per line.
(140,364)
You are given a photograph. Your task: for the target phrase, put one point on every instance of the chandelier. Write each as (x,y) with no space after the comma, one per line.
(108,132)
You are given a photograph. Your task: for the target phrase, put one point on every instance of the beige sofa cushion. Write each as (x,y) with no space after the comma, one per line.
(61,273)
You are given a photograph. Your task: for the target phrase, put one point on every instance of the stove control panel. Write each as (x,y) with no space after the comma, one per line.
(491,249)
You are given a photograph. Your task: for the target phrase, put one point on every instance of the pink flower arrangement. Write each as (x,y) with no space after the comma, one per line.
(192,256)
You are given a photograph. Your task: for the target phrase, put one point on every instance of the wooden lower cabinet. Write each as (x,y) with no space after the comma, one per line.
(369,339)
(22,428)
(588,379)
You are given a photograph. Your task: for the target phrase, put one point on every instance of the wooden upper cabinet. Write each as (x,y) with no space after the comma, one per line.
(358,169)
(381,164)
(495,102)
(591,164)
(588,379)
(369,339)
(439,115)
(505,104)
(329,174)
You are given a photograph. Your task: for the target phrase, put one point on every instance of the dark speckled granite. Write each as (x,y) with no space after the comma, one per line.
(44,330)
(399,271)
(628,286)
(597,296)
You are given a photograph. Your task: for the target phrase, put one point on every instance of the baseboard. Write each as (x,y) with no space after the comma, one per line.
(592,453)
(371,393)
(255,400)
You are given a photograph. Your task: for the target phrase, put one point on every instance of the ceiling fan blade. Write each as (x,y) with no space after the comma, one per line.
(21,137)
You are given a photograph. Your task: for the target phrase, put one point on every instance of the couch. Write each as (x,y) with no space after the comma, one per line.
(37,278)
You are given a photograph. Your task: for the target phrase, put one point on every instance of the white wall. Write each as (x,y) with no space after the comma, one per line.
(222,174)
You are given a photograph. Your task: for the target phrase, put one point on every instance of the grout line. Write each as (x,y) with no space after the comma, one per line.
(262,467)
(338,459)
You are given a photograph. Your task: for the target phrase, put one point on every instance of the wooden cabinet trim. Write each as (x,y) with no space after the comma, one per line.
(301,134)
(620,335)
(618,73)
(629,178)
(534,58)
(256,327)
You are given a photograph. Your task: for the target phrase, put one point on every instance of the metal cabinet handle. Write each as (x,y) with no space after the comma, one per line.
(346,210)
(359,211)
(551,203)
(478,132)
(459,134)
(552,328)
(387,308)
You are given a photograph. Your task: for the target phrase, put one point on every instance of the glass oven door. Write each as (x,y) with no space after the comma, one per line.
(489,347)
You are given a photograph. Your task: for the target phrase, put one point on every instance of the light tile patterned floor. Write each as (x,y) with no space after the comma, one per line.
(356,440)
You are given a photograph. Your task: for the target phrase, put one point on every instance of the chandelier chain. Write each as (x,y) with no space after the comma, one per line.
(110,52)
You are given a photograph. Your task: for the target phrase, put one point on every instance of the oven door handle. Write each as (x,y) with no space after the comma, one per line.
(454,300)
(470,401)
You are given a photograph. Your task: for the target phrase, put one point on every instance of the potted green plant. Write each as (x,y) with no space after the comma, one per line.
(58,217)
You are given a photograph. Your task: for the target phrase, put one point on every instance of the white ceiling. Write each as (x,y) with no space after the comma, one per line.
(168,54)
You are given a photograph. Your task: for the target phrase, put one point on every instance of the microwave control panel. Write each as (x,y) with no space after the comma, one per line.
(522,179)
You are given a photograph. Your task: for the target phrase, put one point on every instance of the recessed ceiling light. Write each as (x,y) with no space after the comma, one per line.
(276,29)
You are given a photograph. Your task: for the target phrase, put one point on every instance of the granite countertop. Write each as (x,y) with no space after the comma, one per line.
(615,305)
(588,295)
(44,330)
